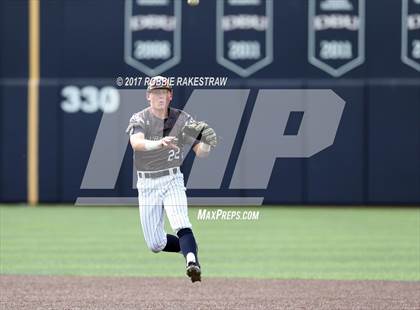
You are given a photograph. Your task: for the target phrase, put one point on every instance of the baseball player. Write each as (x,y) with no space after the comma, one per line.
(157,136)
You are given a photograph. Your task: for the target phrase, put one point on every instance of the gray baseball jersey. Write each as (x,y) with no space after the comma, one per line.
(155,128)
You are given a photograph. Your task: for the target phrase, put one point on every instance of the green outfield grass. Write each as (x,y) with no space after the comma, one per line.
(305,243)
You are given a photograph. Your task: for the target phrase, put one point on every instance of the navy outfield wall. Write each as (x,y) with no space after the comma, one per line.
(375,158)
(13,99)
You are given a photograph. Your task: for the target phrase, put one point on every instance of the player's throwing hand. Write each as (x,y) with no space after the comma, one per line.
(169,142)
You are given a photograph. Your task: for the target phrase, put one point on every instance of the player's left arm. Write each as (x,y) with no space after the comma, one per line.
(202,149)
(208,139)
(200,134)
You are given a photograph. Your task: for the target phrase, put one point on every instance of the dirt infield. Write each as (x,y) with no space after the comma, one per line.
(66,292)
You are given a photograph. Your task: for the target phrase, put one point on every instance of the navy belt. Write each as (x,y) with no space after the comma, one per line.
(157,174)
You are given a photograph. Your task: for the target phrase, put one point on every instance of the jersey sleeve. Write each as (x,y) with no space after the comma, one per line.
(136,124)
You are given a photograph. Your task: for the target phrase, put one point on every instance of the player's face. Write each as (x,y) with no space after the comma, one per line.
(159,99)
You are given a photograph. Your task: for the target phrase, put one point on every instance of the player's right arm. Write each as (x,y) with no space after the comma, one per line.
(136,130)
(139,143)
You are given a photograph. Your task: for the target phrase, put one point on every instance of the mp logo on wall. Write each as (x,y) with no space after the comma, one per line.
(152,39)
(410,35)
(336,35)
(233,174)
(244,30)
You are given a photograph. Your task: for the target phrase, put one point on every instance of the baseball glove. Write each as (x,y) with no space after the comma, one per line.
(200,131)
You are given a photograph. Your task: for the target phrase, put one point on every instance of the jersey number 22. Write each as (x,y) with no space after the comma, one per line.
(173,154)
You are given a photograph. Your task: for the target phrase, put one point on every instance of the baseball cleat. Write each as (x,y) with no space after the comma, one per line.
(194,272)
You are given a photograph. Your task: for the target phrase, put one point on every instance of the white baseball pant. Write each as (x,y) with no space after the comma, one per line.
(157,196)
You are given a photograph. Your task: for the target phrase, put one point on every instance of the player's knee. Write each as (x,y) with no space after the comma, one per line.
(156,247)
(184,231)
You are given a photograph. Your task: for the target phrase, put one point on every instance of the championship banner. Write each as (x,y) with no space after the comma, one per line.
(336,35)
(244,30)
(152,39)
(410,36)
